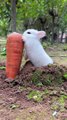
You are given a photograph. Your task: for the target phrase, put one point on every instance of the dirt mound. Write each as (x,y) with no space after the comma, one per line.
(48,75)
(31,86)
(29,75)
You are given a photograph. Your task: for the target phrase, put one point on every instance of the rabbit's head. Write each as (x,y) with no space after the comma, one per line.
(31,34)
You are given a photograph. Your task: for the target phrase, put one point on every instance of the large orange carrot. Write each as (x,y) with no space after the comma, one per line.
(14,50)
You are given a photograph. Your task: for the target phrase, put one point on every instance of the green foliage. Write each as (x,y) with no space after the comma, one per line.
(46,91)
(47,82)
(35,95)
(3,27)
(65,76)
(63,17)
(65,48)
(36,78)
(62,101)
(45,45)
(4,18)
(59,103)
(39,84)
(31,11)
(2,67)
(3,52)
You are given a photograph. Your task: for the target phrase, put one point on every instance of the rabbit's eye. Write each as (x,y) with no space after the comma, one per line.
(28,32)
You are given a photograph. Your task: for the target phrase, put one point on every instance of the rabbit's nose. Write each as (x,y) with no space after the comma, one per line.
(23,38)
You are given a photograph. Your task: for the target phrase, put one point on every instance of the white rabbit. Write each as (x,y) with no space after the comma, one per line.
(34,49)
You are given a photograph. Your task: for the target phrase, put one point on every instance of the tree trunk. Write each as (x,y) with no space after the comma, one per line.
(62,36)
(13,15)
(53,29)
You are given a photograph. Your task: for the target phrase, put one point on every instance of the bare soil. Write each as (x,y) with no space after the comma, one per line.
(14,104)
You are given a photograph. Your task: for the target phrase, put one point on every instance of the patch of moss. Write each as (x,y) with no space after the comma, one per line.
(35,95)
(36,78)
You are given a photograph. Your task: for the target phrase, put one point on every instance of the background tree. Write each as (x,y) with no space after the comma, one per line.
(49,15)
(13,15)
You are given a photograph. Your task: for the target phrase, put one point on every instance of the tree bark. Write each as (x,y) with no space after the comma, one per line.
(62,35)
(13,15)
(52,29)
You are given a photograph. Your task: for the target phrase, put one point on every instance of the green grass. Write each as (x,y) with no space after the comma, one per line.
(35,95)
(2,46)
(2,67)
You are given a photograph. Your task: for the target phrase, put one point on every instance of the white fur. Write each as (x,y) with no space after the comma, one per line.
(34,49)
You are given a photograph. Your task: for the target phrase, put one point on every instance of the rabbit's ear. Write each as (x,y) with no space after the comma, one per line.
(41,34)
